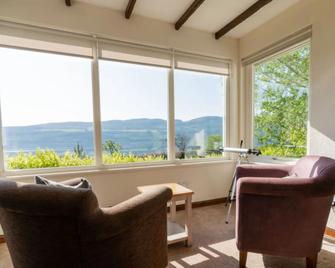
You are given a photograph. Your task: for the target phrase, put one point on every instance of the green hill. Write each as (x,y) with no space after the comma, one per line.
(140,136)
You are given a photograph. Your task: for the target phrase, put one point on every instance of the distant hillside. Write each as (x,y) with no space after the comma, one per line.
(136,135)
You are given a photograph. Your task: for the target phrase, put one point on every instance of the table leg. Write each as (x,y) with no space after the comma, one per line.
(188,204)
(173,210)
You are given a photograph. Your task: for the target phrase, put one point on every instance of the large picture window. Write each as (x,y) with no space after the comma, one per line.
(281,103)
(133,112)
(46,106)
(73,100)
(199,114)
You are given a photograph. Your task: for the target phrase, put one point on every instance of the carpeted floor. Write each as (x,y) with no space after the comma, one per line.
(214,246)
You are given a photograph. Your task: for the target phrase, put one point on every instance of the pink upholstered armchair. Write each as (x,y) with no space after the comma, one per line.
(283,210)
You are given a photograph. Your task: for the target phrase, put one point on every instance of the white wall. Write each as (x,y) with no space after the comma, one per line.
(319,14)
(209,181)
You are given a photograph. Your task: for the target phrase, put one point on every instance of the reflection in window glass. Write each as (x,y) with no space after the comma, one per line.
(199,114)
(133,112)
(46,102)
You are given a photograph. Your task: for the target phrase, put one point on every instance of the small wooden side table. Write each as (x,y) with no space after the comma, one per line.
(176,232)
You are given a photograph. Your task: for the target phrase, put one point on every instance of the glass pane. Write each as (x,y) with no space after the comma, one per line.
(200,114)
(46,107)
(281,104)
(133,112)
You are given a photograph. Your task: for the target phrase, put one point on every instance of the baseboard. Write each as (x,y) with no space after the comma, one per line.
(330,232)
(2,239)
(204,203)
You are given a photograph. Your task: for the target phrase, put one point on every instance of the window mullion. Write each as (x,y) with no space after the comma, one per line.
(227,111)
(171,113)
(96,107)
(2,157)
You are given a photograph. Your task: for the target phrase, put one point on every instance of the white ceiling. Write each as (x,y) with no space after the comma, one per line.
(209,17)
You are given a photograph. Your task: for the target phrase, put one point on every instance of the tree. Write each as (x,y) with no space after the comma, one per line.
(79,151)
(281,104)
(182,140)
(213,143)
(111,147)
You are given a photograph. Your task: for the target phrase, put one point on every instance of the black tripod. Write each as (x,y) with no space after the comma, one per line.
(232,190)
(242,157)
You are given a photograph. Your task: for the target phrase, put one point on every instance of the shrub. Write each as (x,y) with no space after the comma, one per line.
(49,158)
(283,151)
(119,158)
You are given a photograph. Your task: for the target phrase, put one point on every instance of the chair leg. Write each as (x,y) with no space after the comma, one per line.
(243,259)
(311,261)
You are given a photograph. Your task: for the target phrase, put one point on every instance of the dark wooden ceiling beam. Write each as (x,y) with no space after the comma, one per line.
(242,17)
(130,8)
(68,3)
(188,13)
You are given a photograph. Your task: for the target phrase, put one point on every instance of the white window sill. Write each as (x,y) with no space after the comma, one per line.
(132,167)
(272,160)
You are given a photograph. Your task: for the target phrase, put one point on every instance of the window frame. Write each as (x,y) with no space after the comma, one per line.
(249,75)
(97,128)
(167,115)
(225,111)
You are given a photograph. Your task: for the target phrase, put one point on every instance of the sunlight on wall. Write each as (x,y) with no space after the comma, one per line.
(320,144)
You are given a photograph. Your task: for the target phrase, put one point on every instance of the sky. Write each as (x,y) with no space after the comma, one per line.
(38,88)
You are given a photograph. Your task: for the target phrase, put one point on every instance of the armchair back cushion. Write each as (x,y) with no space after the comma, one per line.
(313,166)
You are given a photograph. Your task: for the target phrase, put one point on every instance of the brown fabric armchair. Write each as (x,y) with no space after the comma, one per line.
(64,227)
(284,216)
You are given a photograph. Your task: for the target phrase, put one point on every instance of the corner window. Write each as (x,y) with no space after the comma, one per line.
(280,104)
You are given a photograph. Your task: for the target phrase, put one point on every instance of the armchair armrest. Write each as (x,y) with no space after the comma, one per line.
(109,222)
(277,171)
(72,182)
(295,187)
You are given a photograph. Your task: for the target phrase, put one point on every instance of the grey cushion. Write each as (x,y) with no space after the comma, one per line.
(83,183)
